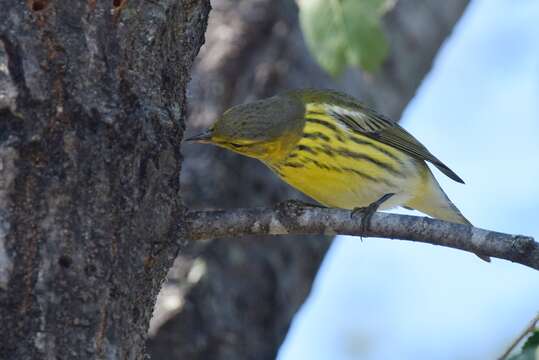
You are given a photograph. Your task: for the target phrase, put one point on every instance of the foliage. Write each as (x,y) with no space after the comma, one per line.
(530,350)
(341,33)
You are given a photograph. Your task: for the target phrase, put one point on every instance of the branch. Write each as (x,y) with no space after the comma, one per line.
(292,218)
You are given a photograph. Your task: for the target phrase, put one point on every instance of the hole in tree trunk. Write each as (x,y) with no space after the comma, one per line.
(38,5)
(65,261)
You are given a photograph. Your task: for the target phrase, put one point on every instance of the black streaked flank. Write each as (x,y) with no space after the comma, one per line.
(348,170)
(318,164)
(293,165)
(317,135)
(332,152)
(359,156)
(306,148)
(376,147)
(369,177)
(328,150)
(360,173)
(325,123)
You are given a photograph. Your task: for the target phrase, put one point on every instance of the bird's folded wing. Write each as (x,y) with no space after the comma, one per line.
(377,127)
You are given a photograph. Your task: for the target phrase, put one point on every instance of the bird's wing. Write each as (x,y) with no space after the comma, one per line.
(375,126)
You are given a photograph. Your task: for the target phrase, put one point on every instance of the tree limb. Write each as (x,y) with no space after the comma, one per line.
(291,218)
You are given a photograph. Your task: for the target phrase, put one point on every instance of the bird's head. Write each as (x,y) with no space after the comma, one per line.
(266,129)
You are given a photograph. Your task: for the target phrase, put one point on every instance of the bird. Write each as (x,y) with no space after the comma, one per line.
(338,151)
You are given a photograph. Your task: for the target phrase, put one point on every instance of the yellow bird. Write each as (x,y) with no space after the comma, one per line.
(336,150)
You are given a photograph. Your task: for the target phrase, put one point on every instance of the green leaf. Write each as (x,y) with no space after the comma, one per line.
(341,33)
(524,355)
(530,350)
(533,341)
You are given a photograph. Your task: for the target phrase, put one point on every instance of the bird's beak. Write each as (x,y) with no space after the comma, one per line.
(203,137)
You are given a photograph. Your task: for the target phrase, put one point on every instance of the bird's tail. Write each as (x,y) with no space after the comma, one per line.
(433,201)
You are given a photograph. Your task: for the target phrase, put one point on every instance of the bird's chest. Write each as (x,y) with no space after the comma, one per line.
(350,177)
(330,188)
(345,170)
(336,185)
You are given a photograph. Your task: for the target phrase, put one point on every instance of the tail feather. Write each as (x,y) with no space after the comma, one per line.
(433,201)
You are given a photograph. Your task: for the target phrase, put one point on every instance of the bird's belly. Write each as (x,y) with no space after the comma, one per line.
(348,190)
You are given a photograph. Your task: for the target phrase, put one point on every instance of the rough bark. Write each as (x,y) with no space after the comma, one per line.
(92,101)
(242,305)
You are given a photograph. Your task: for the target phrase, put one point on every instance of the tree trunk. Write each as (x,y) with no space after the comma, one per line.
(237,299)
(92,103)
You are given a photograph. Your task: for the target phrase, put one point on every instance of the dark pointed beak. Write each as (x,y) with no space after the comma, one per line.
(204,137)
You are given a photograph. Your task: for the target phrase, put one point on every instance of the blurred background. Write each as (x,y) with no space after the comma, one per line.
(477,109)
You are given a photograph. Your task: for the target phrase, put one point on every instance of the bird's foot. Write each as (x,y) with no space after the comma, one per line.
(368,212)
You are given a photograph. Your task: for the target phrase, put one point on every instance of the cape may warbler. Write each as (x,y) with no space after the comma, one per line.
(337,151)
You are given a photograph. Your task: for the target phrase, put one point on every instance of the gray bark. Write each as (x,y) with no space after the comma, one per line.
(242,306)
(293,218)
(92,101)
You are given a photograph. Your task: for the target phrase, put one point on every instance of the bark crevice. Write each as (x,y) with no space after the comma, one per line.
(89,164)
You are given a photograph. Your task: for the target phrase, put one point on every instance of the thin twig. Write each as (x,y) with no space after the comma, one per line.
(530,328)
(290,218)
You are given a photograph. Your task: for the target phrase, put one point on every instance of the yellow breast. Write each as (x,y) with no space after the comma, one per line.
(342,169)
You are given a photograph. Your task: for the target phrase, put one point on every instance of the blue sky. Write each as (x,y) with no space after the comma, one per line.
(478,111)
